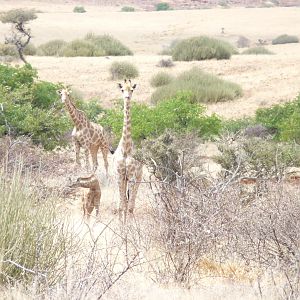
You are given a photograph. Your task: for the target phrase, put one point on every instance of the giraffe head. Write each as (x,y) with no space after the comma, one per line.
(64,94)
(127,89)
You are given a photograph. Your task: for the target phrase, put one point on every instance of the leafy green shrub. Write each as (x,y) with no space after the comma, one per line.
(33,236)
(30,107)
(285,39)
(177,113)
(79,9)
(8,50)
(203,87)
(30,49)
(121,70)
(201,48)
(257,50)
(127,9)
(283,120)
(162,6)
(51,48)
(258,157)
(160,79)
(108,45)
(81,48)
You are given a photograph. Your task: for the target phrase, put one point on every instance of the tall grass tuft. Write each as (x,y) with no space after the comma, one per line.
(122,70)
(51,48)
(33,239)
(203,87)
(285,39)
(81,48)
(160,79)
(201,48)
(257,51)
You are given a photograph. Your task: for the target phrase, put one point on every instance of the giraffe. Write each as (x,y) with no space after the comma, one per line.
(128,170)
(86,134)
(91,199)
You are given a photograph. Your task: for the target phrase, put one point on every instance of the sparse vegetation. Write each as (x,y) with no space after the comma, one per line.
(162,6)
(160,79)
(81,48)
(201,48)
(30,49)
(285,39)
(79,9)
(122,70)
(204,88)
(257,51)
(51,48)
(8,50)
(165,63)
(127,9)
(243,42)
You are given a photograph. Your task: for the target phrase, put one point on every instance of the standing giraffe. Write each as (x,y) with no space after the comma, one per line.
(86,134)
(128,170)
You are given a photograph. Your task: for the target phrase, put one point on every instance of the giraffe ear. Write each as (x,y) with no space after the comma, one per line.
(134,86)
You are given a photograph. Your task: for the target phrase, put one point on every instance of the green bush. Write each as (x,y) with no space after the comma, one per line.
(30,49)
(178,114)
(162,6)
(32,235)
(51,48)
(31,107)
(79,9)
(127,9)
(201,48)
(257,50)
(81,48)
(160,79)
(282,119)
(285,39)
(122,70)
(203,87)
(108,45)
(8,50)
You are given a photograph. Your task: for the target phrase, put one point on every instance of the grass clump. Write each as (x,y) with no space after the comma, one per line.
(81,48)
(257,51)
(165,63)
(33,236)
(79,9)
(8,50)
(122,70)
(108,45)
(127,9)
(202,48)
(51,48)
(285,39)
(161,79)
(203,87)
(162,6)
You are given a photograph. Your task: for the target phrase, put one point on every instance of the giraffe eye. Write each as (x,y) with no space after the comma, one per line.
(122,90)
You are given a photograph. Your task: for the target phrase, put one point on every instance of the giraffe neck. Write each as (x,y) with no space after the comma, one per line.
(126,140)
(77,116)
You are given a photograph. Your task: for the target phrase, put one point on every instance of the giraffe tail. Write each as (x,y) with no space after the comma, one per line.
(111,150)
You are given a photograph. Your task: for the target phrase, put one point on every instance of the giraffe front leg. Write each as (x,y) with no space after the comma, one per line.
(94,152)
(77,152)
(123,199)
(134,186)
(104,154)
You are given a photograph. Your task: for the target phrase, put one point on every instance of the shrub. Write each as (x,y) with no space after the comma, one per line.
(30,49)
(34,238)
(237,125)
(203,87)
(8,50)
(162,6)
(243,42)
(122,70)
(51,48)
(283,120)
(201,48)
(160,79)
(79,9)
(285,39)
(257,50)
(169,50)
(165,63)
(81,48)
(178,114)
(108,45)
(127,9)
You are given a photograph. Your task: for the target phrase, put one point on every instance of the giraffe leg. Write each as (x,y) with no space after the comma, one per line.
(94,152)
(123,199)
(77,152)
(134,186)
(104,151)
(86,151)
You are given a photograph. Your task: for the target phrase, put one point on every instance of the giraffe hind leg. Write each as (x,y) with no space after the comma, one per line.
(77,152)
(134,186)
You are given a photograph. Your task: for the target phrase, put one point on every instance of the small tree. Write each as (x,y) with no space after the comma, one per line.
(20,34)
